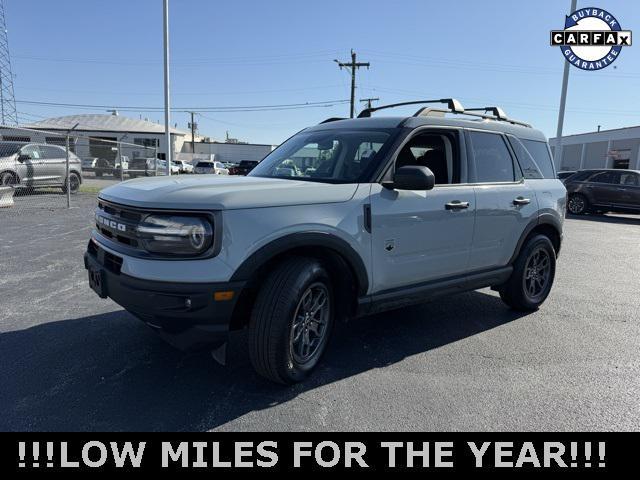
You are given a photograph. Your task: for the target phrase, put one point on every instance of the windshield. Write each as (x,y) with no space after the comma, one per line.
(204,165)
(332,156)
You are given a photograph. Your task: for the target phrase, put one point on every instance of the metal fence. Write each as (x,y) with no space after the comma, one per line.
(42,170)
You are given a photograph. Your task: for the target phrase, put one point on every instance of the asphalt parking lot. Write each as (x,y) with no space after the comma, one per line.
(71,361)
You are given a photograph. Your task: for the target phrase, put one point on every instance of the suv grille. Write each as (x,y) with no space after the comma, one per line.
(119,224)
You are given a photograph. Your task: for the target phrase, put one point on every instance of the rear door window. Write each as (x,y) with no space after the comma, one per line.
(492,158)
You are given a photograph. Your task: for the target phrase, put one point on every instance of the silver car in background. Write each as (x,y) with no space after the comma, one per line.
(35,165)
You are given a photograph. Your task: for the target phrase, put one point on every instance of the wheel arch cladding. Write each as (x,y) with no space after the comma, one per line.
(344,265)
(546,224)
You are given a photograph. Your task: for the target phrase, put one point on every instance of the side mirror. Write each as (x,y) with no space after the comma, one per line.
(23,157)
(413,177)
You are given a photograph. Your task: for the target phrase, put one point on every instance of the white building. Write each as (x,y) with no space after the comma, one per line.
(617,148)
(229,152)
(92,128)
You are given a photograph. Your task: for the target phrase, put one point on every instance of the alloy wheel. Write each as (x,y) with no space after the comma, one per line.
(537,273)
(310,323)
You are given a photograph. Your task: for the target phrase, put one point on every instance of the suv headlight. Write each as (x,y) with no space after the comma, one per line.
(175,234)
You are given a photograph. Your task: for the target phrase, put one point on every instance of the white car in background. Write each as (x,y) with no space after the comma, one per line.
(216,168)
(182,166)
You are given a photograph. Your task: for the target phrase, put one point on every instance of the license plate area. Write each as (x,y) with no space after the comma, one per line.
(97,281)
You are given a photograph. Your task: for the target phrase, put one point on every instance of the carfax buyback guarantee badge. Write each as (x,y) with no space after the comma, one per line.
(592,38)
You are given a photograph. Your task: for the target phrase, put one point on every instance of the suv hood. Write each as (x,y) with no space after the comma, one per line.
(222,192)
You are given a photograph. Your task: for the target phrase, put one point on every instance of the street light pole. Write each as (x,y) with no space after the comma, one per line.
(167,118)
(563,102)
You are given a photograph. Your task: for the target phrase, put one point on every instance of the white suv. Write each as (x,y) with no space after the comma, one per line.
(344,219)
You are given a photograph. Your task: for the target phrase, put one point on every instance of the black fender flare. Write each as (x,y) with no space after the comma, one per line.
(304,239)
(542,219)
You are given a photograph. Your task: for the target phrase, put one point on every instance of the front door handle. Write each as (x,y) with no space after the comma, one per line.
(521,201)
(456,205)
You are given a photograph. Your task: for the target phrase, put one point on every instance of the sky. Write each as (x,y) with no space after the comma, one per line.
(250,52)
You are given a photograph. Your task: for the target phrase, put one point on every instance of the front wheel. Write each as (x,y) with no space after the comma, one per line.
(291,321)
(532,277)
(7,179)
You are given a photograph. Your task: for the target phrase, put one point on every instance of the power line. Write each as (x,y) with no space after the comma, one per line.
(242,108)
(353,65)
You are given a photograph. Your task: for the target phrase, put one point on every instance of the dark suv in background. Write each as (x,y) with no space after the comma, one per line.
(603,190)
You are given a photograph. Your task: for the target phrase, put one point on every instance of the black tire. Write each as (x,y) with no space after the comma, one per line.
(577,204)
(74,183)
(7,179)
(273,349)
(529,286)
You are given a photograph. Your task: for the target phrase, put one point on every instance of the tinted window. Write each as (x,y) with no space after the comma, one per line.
(603,177)
(580,176)
(628,178)
(493,160)
(540,153)
(204,165)
(529,167)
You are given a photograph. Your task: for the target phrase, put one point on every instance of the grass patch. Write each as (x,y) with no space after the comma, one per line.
(89,189)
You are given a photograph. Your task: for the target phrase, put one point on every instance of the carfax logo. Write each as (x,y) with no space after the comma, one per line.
(592,38)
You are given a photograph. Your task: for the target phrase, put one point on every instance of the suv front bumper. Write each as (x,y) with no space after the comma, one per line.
(186,315)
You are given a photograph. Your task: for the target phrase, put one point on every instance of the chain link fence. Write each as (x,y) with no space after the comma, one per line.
(43,171)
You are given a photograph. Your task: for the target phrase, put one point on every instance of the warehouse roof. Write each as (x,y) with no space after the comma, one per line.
(103,123)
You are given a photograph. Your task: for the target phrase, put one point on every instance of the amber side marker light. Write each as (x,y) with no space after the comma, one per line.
(223,296)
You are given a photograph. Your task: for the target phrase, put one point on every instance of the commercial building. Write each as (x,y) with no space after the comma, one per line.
(96,134)
(616,148)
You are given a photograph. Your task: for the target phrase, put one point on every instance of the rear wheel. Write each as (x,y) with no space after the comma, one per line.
(74,183)
(532,277)
(291,321)
(578,204)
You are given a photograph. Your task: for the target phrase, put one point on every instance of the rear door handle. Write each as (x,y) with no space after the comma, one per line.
(521,201)
(456,205)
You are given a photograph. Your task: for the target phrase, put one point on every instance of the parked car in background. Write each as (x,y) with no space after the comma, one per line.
(176,167)
(35,165)
(244,167)
(215,168)
(183,167)
(147,167)
(103,166)
(603,190)
(565,174)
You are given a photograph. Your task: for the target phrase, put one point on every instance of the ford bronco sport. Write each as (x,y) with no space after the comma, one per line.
(344,219)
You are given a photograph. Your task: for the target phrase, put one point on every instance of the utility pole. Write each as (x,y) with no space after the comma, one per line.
(192,125)
(167,105)
(353,65)
(563,102)
(369,100)
(8,113)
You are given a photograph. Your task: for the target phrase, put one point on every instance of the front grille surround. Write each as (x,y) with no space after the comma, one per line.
(116,226)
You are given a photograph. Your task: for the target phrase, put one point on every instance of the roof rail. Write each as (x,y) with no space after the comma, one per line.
(495,111)
(496,114)
(332,119)
(452,104)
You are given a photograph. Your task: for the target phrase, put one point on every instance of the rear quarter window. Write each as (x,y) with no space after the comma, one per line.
(539,151)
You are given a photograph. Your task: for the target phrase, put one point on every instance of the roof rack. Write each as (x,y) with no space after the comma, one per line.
(496,114)
(452,104)
(331,119)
